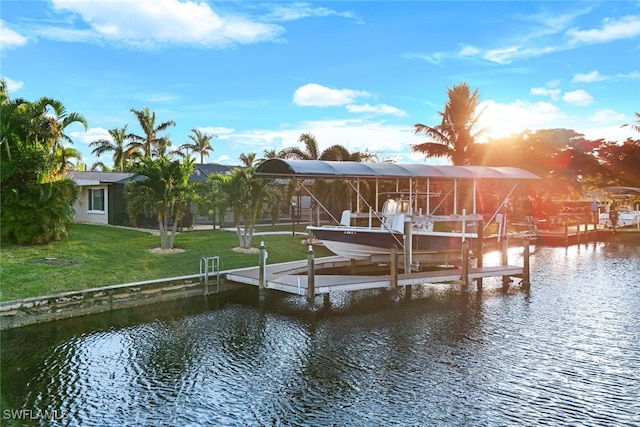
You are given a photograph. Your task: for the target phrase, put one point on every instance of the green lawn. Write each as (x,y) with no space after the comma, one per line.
(93,256)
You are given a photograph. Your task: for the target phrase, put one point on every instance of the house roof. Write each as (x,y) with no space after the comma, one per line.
(85,178)
(282,168)
(201,171)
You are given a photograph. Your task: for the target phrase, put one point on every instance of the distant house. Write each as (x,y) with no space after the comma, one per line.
(101,199)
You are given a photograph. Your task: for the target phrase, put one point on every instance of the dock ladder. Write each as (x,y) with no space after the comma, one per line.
(210,266)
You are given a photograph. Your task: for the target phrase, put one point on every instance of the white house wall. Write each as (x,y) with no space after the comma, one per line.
(81,206)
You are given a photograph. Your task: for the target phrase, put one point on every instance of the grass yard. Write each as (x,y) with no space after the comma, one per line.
(93,256)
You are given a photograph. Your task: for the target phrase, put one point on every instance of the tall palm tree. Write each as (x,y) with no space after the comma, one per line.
(311,152)
(454,137)
(201,143)
(150,143)
(120,146)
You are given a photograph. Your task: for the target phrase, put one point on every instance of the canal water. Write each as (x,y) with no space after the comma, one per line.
(565,353)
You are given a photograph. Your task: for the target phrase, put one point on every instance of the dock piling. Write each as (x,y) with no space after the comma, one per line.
(262,264)
(465,265)
(311,281)
(504,252)
(393,267)
(526,283)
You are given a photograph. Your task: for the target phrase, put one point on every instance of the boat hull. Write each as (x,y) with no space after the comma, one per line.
(364,242)
(625,219)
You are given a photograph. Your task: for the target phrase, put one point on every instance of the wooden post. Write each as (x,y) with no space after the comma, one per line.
(526,283)
(393,266)
(505,260)
(465,265)
(262,266)
(566,234)
(480,254)
(311,281)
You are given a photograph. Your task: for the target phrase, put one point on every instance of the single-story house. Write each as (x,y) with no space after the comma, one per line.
(101,199)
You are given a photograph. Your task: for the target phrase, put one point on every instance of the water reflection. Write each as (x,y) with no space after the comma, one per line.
(564,353)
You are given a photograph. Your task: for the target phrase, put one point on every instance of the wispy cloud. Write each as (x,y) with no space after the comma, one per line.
(300,10)
(612,29)
(590,77)
(10,38)
(315,95)
(542,34)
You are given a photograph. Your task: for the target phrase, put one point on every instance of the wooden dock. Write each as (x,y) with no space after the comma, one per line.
(292,278)
(571,234)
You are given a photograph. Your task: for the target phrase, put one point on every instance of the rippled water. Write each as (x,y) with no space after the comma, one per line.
(565,353)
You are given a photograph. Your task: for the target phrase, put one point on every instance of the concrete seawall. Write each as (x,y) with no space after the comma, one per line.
(29,311)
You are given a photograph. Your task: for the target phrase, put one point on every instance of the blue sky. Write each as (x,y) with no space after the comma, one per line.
(258,74)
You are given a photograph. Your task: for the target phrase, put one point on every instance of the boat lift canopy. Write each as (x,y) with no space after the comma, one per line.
(322,169)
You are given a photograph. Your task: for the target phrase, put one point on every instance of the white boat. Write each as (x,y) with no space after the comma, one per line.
(409,220)
(622,208)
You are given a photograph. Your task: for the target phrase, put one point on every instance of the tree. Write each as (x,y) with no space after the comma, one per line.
(150,144)
(201,144)
(160,186)
(120,146)
(454,137)
(246,196)
(35,199)
(248,159)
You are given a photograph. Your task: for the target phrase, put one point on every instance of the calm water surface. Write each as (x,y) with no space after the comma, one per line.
(565,353)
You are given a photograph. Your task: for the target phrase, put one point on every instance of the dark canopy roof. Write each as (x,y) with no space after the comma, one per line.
(284,168)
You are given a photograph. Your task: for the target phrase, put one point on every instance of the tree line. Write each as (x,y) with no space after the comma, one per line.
(36,153)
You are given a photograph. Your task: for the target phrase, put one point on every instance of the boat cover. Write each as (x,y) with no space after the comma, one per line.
(287,168)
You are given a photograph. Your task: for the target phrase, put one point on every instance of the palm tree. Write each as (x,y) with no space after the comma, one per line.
(248,159)
(633,126)
(201,143)
(311,152)
(150,143)
(453,138)
(246,196)
(122,150)
(161,186)
(52,119)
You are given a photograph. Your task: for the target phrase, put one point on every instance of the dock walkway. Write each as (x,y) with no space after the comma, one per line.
(291,277)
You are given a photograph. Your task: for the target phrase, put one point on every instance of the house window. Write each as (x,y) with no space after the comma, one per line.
(96,199)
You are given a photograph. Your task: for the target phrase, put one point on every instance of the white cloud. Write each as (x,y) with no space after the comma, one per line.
(543,91)
(376,109)
(9,38)
(216,130)
(612,29)
(579,97)
(590,77)
(150,23)
(12,85)
(315,95)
